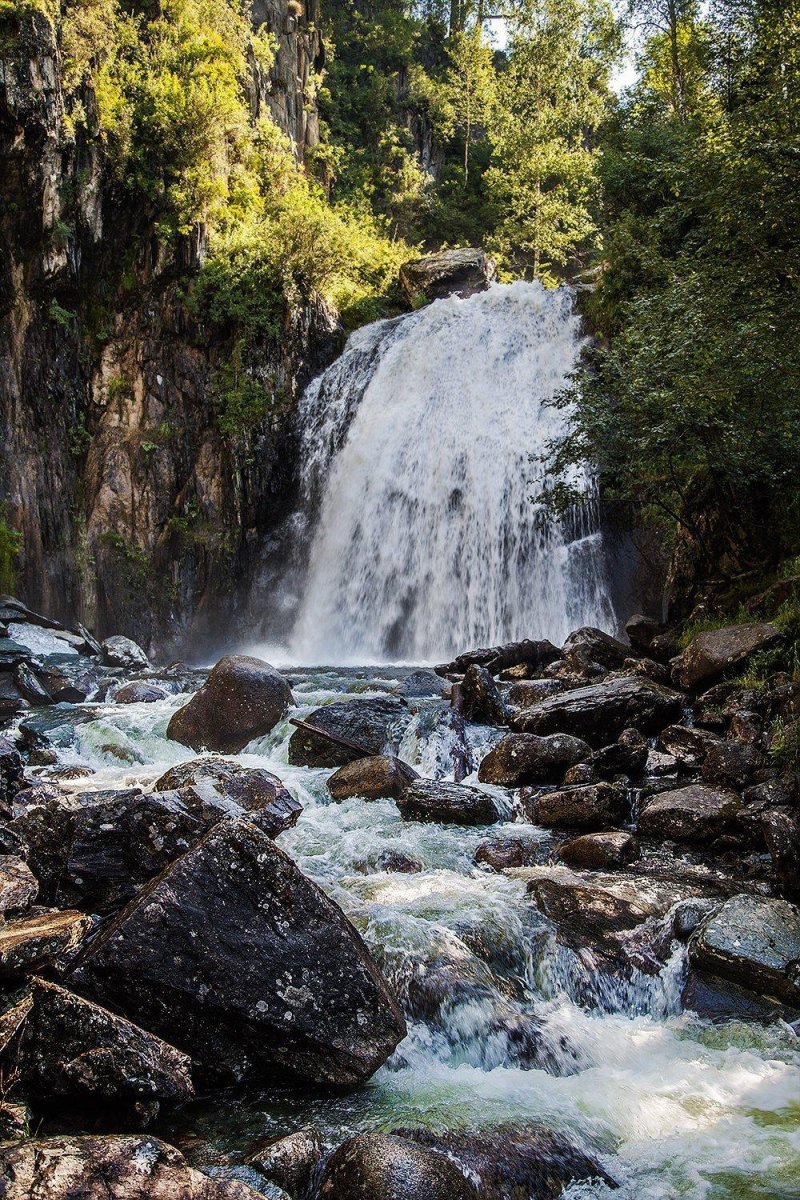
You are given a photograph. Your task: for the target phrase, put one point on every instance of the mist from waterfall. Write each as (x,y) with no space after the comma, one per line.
(420,455)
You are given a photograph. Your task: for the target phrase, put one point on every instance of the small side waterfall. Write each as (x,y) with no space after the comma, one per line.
(420,458)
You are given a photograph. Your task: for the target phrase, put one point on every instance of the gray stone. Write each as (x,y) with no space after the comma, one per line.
(119,651)
(600,712)
(434,800)
(755,942)
(381,1166)
(525,758)
(600,850)
(709,655)
(461,272)
(691,814)
(374,726)
(594,806)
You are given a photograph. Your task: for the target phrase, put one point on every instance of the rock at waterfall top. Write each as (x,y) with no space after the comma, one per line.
(711,654)
(243,698)
(237,958)
(382,1166)
(755,942)
(448,273)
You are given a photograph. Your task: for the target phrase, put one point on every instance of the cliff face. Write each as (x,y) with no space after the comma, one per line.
(130,499)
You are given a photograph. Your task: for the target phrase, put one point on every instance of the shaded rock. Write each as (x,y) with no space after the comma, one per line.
(14,1121)
(139,693)
(600,712)
(747,728)
(590,652)
(14,1008)
(373,725)
(773,793)
(690,814)
(134,1167)
(689,745)
(781,830)
(401,864)
(30,686)
(461,272)
(11,772)
(627,756)
(641,631)
(118,651)
(31,943)
(290,1161)
(524,695)
(600,850)
(421,684)
(11,703)
(581,773)
(525,758)
(500,658)
(711,654)
(236,957)
(478,698)
(755,942)
(448,803)
(18,884)
(594,806)
(503,853)
(243,698)
(223,788)
(371,778)
(731,764)
(720,1000)
(381,1166)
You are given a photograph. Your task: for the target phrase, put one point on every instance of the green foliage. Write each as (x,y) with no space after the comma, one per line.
(10,547)
(63,317)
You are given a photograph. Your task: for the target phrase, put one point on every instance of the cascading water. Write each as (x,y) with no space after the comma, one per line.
(421,454)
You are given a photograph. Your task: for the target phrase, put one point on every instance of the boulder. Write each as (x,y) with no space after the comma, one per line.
(754,942)
(401,864)
(478,698)
(690,814)
(525,758)
(641,631)
(221,788)
(500,658)
(382,1166)
(709,655)
(421,684)
(593,806)
(290,1161)
(135,1167)
(589,651)
(30,686)
(461,272)
(688,744)
(12,772)
(531,691)
(627,756)
(503,853)
(434,800)
(234,956)
(600,851)
(18,884)
(601,711)
(731,764)
(118,651)
(371,726)
(34,942)
(139,693)
(242,699)
(781,830)
(372,778)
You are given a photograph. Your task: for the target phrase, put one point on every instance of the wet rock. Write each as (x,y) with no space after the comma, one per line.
(580,773)
(11,703)
(242,699)
(139,693)
(720,1000)
(691,814)
(478,698)
(290,1161)
(371,778)
(134,1167)
(223,788)
(11,772)
(449,803)
(627,756)
(504,853)
(781,830)
(14,1121)
(731,765)
(524,695)
(118,651)
(381,1166)
(72,1047)
(600,712)
(461,272)
(512,1162)
(18,884)
(525,758)
(591,652)
(642,630)
(420,684)
(754,942)
(500,658)
(30,686)
(658,764)
(595,806)
(747,728)
(600,850)
(373,725)
(34,942)
(711,654)
(773,793)
(688,745)
(237,958)
(401,864)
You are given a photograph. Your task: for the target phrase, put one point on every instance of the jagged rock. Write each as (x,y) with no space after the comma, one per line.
(18,884)
(382,1166)
(374,725)
(70,1046)
(589,651)
(479,699)
(31,943)
(14,1121)
(525,695)
(755,942)
(401,864)
(134,1167)
(461,272)
(595,806)
(525,758)
(234,956)
(448,803)
(781,830)
(503,853)
(711,654)
(421,684)
(719,1000)
(627,756)
(290,1161)
(600,850)
(641,631)
(223,788)
(500,658)
(119,651)
(14,1008)
(11,772)
(30,686)
(600,712)
(688,745)
(242,699)
(139,693)
(690,814)
(731,765)
(747,728)
(773,793)
(371,778)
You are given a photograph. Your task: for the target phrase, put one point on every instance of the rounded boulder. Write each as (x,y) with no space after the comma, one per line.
(243,698)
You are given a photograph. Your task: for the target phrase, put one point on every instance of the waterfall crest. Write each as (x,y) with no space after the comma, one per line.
(420,448)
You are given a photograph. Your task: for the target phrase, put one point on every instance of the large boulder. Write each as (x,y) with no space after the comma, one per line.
(535,655)
(119,651)
(711,654)
(600,851)
(139,693)
(243,698)
(755,942)
(449,272)
(478,698)
(381,1166)
(369,727)
(593,806)
(526,758)
(589,652)
(781,830)
(434,800)
(372,778)
(502,853)
(601,711)
(237,958)
(688,744)
(226,789)
(690,814)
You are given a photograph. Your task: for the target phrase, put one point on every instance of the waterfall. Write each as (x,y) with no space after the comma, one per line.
(421,464)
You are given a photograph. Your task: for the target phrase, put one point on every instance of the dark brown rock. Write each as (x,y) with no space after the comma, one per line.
(118,651)
(503,853)
(525,758)
(401,864)
(381,1166)
(223,788)
(691,814)
(449,803)
(371,778)
(600,850)
(31,943)
(626,756)
(478,698)
(709,655)
(500,658)
(373,725)
(688,745)
(18,885)
(591,652)
(524,695)
(731,765)
(641,631)
(139,693)
(290,1161)
(594,806)
(235,957)
(242,699)
(600,712)
(781,830)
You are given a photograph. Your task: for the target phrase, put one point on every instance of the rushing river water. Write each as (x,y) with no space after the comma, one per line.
(672,1105)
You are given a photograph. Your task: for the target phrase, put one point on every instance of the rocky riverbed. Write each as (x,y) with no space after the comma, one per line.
(522,926)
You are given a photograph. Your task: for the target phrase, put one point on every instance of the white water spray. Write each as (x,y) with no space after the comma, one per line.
(421,448)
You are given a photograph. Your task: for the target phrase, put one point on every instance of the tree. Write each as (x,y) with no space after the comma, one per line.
(469,87)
